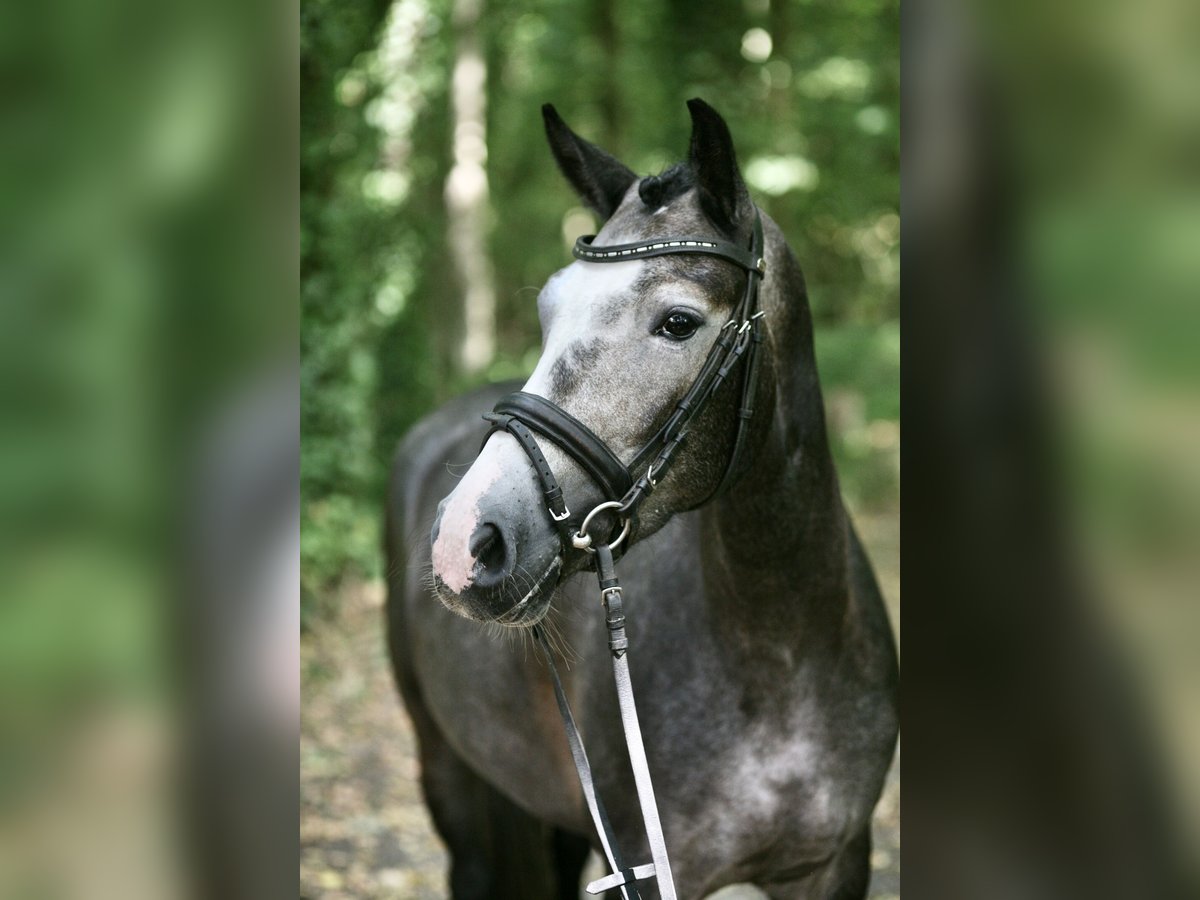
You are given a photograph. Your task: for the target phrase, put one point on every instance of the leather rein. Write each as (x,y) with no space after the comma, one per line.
(523,415)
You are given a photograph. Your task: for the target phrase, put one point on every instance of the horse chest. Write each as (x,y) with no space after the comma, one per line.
(766,806)
(742,786)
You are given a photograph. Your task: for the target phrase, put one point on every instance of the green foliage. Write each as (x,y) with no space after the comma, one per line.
(811,92)
(860,377)
(354,258)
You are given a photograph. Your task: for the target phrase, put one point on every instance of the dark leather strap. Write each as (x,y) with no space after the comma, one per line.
(747,259)
(556,504)
(572,436)
(746,411)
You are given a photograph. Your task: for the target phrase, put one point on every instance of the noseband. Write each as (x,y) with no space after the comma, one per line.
(523,415)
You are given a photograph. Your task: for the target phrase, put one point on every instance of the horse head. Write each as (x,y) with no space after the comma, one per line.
(622,343)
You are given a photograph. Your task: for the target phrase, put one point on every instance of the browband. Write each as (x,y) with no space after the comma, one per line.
(750,261)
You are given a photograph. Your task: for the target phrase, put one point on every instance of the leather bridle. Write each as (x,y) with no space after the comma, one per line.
(523,415)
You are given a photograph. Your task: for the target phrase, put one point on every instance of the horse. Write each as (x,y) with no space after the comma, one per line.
(764,663)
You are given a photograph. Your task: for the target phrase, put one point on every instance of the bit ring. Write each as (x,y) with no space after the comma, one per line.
(581,540)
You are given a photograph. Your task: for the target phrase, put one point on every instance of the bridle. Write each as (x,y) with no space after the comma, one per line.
(523,415)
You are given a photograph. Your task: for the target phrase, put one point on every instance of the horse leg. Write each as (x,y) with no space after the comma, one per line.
(497,850)
(845,875)
(570,856)
(852,868)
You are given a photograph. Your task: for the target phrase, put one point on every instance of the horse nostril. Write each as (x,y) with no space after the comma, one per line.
(490,549)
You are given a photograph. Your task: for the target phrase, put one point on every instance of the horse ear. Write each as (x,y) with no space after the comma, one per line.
(723,194)
(599,179)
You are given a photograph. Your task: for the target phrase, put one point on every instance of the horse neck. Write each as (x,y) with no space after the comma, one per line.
(776,545)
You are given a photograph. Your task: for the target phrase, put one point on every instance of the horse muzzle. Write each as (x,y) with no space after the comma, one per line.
(495,557)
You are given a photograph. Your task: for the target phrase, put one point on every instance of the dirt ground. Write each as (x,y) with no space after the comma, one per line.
(364,830)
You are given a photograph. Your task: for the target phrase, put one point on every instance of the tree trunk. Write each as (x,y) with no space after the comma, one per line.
(604,27)
(466,193)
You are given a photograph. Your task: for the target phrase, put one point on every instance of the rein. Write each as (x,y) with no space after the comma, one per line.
(522,415)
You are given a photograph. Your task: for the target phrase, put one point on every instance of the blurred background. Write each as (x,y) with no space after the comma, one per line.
(148,449)
(1051,383)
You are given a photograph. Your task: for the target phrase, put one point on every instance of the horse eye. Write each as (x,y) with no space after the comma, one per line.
(679,325)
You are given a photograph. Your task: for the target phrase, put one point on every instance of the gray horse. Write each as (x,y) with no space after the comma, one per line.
(761,653)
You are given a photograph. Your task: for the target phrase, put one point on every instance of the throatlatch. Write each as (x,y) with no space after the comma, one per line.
(522,415)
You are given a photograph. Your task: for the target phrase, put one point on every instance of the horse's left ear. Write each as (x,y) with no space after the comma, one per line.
(723,194)
(598,178)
